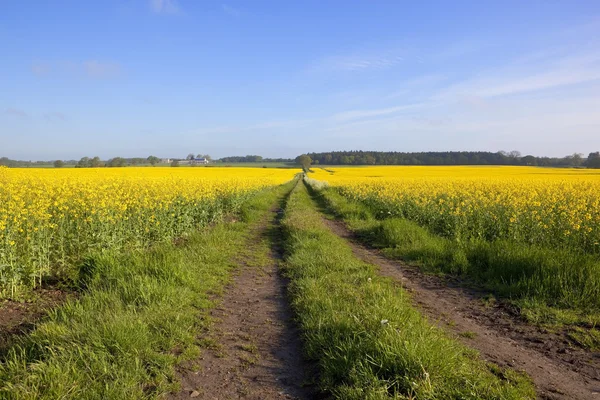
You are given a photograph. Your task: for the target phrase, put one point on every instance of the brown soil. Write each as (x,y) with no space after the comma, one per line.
(557,370)
(256,350)
(18,318)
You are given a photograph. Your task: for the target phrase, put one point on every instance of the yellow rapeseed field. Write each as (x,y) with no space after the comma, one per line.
(50,218)
(547,206)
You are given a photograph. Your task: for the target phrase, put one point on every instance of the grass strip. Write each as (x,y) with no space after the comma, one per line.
(360,328)
(139,315)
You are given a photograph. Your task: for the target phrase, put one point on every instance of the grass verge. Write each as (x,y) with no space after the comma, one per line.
(139,315)
(550,287)
(368,341)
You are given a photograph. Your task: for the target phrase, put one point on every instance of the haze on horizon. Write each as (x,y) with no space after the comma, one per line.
(168,77)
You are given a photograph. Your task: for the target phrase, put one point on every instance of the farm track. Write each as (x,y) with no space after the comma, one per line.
(255,350)
(500,338)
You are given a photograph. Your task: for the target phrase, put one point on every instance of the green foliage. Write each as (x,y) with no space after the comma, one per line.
(241,159)
(441,158)
(153,160)
(116,162)
(304,161)
(593,160)
(86,162)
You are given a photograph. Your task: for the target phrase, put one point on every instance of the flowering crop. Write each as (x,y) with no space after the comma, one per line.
(558,208)
(50,218)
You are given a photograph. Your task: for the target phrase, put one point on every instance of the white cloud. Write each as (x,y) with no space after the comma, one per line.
(234,12)
(360,61)
(165,6)
(541,74)
(40,69)
(358,114)
(260,126)
(542,125)
(55,116)
(93,69)
(99,70)
(16,112)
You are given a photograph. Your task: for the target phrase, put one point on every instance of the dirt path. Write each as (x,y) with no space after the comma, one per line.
(557,371)
(256,351)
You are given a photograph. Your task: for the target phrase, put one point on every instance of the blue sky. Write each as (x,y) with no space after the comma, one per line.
(279,78)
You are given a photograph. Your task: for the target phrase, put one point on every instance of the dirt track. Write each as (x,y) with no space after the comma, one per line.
(557,371)
(257,353)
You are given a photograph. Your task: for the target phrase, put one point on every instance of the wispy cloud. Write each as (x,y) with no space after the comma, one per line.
(363,63)
(101,70)
(414,85)
(16,112)
(92,69)
(541,74)
(233,11)
(165,6)
(55,116)
(359,114)
(274,125)
(360,61)
(40,69)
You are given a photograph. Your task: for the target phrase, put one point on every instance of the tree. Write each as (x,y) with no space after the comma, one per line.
(175,163)
(575,160)
(96,162)
(206,156)
(59,164)
(153,160)
(593,160)
(116,162)
(529,160)
(84,162)
(304,161)
(190,156)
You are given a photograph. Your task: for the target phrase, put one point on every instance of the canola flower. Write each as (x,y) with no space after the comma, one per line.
(49,219)
(558,208)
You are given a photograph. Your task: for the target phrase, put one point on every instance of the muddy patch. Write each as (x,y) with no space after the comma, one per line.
(19,317)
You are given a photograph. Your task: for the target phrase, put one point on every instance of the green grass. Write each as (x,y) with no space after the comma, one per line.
(586,338)
(361,330)
(138,316)
(550,286)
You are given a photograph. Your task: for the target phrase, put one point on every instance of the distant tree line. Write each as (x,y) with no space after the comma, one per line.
(96,162)
(7,162)
(241,159)
(252,159)
(451,158)
(344,158)
(191,156)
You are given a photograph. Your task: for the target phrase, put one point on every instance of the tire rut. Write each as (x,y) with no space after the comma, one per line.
(257,354)
(494,333)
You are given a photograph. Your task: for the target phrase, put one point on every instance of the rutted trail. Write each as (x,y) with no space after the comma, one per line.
(454,308)
(255,350)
